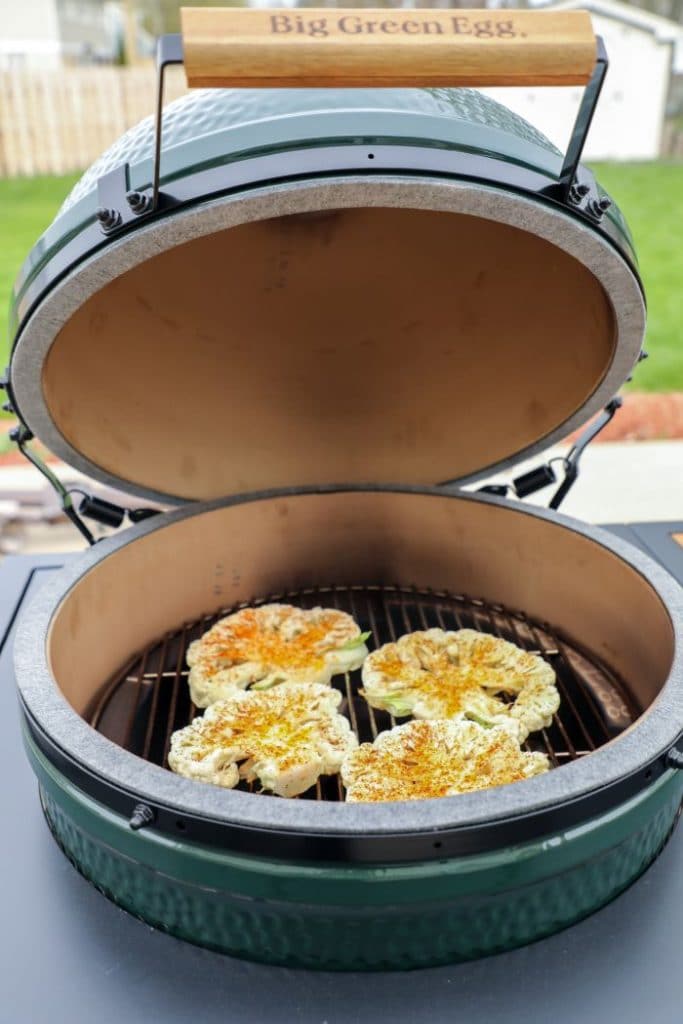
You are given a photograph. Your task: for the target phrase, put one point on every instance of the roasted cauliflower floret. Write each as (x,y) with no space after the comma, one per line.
(285,738)
(424,759)
(273,644)
(437,673)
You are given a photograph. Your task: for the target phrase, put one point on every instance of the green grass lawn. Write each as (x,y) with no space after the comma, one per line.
(27,205)
(651,197)
(650,194)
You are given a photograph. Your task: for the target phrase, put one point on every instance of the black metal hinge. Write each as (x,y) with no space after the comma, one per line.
(100,511)
(21,436)
(544,475)
(104,512)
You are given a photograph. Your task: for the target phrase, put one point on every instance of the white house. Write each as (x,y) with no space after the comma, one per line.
(29,34)
(643,49)
(44,34)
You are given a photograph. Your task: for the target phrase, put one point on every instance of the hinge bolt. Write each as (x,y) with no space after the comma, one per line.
(643,355)
(20,434)
(142,815)
(674,758)
(599,207)
(139,202)
(577,193)
(108,218)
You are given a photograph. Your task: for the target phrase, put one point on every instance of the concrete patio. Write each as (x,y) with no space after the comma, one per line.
(627,481)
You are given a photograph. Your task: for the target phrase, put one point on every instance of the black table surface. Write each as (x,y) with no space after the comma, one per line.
(69,955)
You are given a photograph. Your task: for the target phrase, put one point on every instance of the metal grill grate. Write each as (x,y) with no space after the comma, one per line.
(148,698)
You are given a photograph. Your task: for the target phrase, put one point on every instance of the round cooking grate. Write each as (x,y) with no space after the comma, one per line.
(148,698)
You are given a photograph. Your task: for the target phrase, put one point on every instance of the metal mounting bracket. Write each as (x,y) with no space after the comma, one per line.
(113,208)
(581,191)
(118,204)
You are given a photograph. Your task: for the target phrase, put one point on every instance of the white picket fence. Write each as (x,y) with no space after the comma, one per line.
(57,121)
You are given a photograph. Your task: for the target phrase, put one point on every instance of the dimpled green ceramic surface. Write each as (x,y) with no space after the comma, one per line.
(209,128)
(204,113)
(344,917)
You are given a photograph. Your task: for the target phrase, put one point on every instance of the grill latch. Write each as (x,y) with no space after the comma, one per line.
(104,512)
(541,476)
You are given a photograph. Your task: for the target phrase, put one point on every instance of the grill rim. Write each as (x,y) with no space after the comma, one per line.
(410,190)
(625,765)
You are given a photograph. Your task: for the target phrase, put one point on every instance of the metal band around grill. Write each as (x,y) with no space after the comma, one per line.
(578,191)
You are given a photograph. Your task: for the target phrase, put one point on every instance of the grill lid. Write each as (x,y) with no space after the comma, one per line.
(355,308)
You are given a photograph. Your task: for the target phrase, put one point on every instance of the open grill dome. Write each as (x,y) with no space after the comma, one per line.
(389,326)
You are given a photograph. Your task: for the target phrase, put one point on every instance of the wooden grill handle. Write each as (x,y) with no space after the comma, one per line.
(313,47)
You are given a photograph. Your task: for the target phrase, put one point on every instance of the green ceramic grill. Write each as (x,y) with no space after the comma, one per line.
(311,318)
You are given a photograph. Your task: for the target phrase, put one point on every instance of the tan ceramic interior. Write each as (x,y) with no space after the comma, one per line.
(359,345)
(213,559)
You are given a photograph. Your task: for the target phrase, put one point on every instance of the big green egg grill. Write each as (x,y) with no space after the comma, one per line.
(311,319)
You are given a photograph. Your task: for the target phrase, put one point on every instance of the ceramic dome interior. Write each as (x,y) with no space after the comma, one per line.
(334,345)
